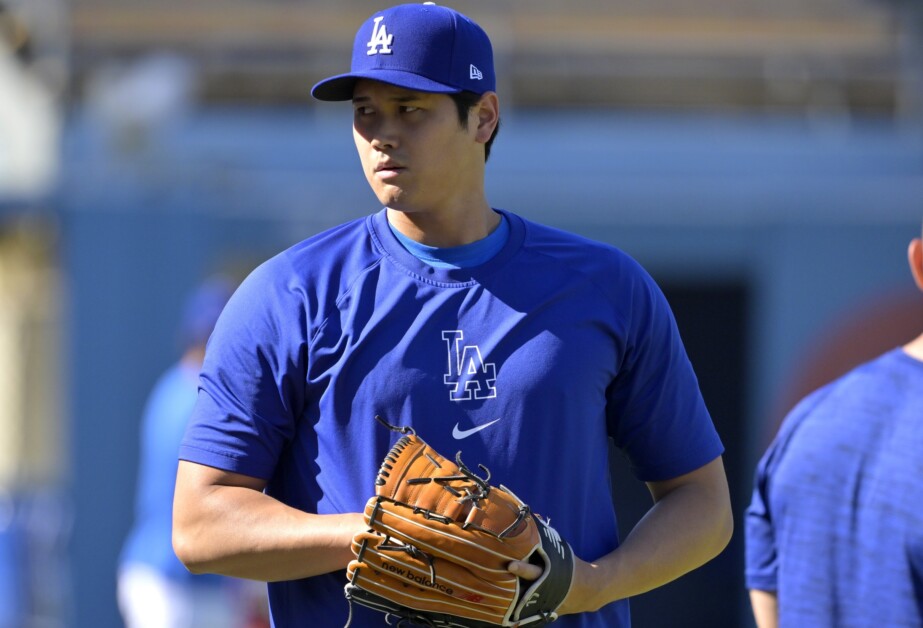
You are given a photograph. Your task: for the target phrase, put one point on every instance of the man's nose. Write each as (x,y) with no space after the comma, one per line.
(386,133)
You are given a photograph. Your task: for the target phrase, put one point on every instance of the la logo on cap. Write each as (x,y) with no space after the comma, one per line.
(380,42)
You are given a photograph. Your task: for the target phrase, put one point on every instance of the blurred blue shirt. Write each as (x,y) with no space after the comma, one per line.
(164,422)
(835,527)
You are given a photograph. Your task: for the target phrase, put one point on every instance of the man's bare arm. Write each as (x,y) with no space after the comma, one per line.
(224,523)
(765,608)
(689,524)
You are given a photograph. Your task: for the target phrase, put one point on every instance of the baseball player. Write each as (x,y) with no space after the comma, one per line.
(834,533)
(525,347)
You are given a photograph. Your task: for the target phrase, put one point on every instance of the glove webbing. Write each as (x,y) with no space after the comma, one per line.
(482,491)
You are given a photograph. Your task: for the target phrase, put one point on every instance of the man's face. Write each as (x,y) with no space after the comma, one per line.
(415,154)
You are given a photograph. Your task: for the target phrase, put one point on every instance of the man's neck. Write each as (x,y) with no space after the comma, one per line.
(445,231)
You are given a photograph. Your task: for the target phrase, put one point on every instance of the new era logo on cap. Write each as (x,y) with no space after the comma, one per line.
(422,47)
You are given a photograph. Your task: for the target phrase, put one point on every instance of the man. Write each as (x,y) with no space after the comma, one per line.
(834,534)
(523,346)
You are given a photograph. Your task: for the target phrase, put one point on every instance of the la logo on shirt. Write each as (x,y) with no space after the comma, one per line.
(469,376)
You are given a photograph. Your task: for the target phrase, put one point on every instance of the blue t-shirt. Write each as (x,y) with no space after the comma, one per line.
(835,527)
(551,347)
(166,416)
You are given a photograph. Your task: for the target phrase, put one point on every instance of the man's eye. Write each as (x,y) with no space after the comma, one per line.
(409,109)
(363,111)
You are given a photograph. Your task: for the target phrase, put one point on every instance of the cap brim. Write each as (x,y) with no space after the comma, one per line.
(341,87)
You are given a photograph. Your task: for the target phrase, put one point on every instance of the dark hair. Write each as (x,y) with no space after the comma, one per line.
(464,101)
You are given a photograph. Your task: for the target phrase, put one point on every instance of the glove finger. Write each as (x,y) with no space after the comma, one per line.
(482,552)
(416,475)
(411,458)
(407,593)
(404,561)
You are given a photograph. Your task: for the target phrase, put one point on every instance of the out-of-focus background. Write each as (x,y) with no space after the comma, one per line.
(763,159)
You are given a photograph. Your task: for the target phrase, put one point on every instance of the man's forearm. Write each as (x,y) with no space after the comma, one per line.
(765,608)
(688,526)
(239,531)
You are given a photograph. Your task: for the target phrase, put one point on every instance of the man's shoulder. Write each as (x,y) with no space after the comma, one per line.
(331,243)
(329,251)
(313,271)
(573,249)
(539,233)
(852,392)
(860,379)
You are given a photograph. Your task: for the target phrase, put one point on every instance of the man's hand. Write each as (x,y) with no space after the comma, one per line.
(580,597)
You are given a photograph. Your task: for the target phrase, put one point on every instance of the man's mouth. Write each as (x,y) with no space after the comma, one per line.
(388,170)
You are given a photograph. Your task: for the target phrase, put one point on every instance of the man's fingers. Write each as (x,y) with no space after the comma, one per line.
(526,571)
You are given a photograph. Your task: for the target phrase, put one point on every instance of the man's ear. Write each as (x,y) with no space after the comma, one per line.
(488,114)
(915,258)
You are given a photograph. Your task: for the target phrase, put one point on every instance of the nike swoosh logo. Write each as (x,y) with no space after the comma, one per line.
(460,434)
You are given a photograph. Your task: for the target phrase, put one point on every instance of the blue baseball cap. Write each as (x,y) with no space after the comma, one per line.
(423,47)
(201,310)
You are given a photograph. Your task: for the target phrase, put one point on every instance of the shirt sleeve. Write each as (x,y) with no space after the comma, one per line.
(762,520)
(656,412)
(252,385)
(761,558)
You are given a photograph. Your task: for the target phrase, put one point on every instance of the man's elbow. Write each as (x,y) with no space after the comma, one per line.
(723,525)
(718,496)
(185,548)
(725,528)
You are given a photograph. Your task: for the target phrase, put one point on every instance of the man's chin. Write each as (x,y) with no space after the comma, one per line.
(398,204)
(392,197)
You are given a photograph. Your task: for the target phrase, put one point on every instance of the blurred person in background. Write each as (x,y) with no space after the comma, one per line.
(154,589)
(834,533)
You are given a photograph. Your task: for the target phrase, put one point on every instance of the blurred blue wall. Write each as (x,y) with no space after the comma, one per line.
(812,217)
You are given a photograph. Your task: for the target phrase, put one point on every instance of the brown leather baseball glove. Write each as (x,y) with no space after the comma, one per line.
(439,542)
